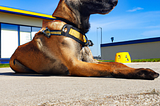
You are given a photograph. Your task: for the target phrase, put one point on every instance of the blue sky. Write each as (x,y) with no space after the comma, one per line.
(130,20)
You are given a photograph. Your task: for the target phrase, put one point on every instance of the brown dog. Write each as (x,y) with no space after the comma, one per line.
(60,54)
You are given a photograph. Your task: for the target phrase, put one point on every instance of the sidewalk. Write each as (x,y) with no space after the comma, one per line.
(22,90)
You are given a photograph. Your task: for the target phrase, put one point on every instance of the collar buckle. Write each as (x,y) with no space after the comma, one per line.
(46,32)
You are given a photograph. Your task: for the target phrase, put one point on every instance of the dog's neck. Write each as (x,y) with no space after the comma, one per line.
(67,12)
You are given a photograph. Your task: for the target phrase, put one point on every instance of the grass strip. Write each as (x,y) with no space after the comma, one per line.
(4,65)
(147,60)
(106,60)
(136,60)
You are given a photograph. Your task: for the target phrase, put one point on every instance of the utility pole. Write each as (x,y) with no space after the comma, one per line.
(101,38)
(101,33)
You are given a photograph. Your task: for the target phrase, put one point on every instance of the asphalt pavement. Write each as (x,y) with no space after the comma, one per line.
(33,90)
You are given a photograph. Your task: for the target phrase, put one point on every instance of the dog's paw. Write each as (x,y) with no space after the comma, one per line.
(146,73)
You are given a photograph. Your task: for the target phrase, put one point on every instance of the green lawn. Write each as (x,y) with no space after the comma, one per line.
(147,60)
(4,65)
(136,60)
(106,60)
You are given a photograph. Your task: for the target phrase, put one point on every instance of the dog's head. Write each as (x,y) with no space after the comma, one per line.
(79,11)
(93,6)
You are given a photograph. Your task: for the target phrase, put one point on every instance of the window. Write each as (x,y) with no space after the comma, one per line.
(14,35)
(35,30)
(25,34)
(9,40)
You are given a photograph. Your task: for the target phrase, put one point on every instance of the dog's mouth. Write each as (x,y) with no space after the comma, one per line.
(114,3)
(110,6)
(99,7)
(106,11)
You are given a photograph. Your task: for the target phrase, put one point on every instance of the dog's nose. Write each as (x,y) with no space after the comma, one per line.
(115,2)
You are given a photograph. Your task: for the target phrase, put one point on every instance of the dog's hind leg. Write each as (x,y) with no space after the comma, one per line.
(19,67)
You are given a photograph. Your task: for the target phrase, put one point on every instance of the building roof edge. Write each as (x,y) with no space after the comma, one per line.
(156,39)
(25,13)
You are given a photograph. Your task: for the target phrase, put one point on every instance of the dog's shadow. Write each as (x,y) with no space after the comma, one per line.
(42,75)
(47,75)
(21,74)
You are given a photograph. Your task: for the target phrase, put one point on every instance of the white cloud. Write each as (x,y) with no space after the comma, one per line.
(145,20)
(151,33)
(135,9)
(153,27)
(120,22)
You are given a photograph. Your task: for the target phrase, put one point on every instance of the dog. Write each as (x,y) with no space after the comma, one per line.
(61,47)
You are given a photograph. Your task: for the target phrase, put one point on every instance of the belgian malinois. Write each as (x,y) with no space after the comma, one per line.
(60,47)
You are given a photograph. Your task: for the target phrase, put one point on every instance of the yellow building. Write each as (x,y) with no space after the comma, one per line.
(16,28)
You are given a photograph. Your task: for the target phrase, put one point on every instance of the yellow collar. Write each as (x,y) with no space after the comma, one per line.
(68,31)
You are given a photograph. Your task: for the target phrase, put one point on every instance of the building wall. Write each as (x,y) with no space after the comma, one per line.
(19,19)
(13,35)
(137,51)
(14,31)
(18,27)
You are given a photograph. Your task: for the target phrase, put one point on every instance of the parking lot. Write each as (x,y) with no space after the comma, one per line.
(19,89)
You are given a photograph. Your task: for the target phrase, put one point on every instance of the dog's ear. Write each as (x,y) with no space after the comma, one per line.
(57,7)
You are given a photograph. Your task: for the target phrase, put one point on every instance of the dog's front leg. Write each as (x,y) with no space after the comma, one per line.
(115,69)
(81,68)
(123,71)
(70,51)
